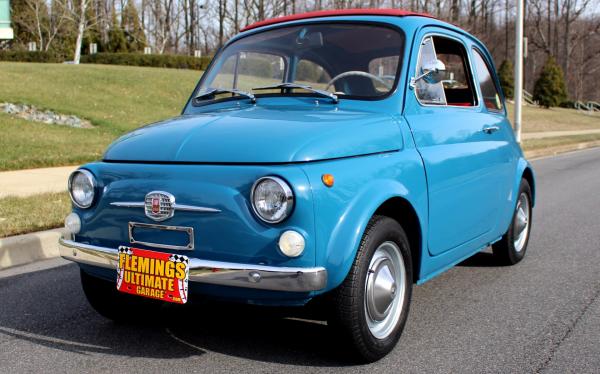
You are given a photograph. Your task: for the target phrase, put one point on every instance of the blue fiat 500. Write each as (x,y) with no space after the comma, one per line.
(337,156)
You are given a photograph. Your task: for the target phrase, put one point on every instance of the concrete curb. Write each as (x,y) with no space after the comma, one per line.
(24,249)
(556,150)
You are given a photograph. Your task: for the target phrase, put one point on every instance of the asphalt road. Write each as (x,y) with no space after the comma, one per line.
(542,315)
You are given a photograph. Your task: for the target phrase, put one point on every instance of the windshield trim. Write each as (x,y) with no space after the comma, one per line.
(392,91)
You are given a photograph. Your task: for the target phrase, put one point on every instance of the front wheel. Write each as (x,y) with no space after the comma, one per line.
(513,245)
(369,309)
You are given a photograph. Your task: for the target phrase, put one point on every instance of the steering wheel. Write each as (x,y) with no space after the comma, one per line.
(359,74)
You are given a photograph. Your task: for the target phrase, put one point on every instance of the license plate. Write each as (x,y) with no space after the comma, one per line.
(156,275)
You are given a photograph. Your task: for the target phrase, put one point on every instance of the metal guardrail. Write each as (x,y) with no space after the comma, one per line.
(528,97)
(594,106)
(591,107)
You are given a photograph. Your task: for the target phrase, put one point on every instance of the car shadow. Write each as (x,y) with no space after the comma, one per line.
(284,336)
(481,259)
(47,309)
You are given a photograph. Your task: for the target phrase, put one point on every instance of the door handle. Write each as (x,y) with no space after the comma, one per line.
(490,129)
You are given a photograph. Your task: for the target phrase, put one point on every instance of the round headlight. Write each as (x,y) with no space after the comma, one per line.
(272,199)
(82,187)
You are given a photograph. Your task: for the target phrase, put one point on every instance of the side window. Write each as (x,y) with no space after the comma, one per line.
(489,91)
(311,74)
(457,86)
(428,93)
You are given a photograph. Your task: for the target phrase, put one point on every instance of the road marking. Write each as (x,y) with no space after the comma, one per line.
(17,334)
(168,331)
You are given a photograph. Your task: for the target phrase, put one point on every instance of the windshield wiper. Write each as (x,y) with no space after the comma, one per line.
(327,94)
(217,91)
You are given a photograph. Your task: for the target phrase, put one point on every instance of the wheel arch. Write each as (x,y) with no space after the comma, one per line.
(530,178)
(410,210)
(402,211)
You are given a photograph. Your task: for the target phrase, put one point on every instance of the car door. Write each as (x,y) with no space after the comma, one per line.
(452,134)
(500,132)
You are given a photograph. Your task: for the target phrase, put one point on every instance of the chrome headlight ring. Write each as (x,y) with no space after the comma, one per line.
(272,199)
(82,188)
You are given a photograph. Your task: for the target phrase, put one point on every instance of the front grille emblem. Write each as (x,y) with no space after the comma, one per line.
(155,205)
(159,205)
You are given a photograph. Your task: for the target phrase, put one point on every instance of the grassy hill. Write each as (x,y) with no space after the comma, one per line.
(118,99)
(115,98)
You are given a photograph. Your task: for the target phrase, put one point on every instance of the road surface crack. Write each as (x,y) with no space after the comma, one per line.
(544,365)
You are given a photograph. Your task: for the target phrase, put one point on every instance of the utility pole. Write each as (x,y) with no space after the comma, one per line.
(518,69)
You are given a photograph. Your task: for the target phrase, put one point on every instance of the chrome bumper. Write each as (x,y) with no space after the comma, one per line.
(213,272)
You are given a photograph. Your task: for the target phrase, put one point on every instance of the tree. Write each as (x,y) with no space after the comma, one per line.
(77,11)
(130,23)
(35,22)
(117,42)
(550,89)
(93,34)
(506,75)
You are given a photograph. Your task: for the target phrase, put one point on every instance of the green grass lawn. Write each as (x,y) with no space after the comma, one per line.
(25,144)
(20,215)
(554,119)
(118,99)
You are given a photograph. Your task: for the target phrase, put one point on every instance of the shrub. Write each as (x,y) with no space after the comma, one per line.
(26,56)
(506,76)
(570,104)
(136,59)
(117,42)
(550,89)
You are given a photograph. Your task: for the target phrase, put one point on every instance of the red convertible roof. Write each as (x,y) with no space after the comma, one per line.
(341,12)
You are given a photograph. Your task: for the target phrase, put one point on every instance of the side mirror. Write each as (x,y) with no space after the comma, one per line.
(432,72)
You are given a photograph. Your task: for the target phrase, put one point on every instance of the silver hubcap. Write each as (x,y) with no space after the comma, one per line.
(384,290)
(521,222)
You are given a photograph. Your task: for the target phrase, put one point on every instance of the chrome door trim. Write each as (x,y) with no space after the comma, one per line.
(188,230)
(430,34)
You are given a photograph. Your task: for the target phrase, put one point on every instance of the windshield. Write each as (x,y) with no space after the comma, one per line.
(349,60)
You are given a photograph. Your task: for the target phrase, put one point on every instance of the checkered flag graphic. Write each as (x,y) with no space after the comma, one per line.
(182,284)
(126,250)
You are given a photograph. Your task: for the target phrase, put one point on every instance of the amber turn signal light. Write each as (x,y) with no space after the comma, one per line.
(327,180)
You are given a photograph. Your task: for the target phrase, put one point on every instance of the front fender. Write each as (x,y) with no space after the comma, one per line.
(523,167)
(524,170)
(361,186)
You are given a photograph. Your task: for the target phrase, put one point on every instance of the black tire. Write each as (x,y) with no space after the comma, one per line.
(348,313)
(114,305)
(505,250)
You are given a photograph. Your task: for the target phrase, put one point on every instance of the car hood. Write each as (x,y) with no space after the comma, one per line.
(260,135)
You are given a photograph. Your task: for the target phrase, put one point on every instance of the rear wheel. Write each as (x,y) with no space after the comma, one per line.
(370,307)
(112,304)
(513,245)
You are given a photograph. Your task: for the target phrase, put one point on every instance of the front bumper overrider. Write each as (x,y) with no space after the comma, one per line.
(274,278)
